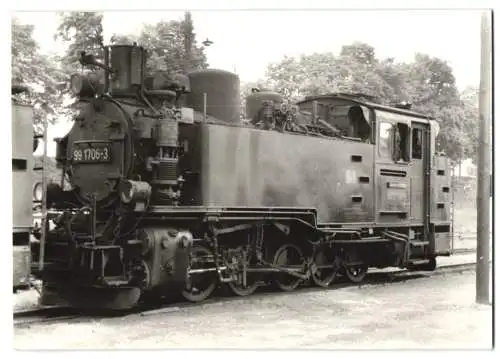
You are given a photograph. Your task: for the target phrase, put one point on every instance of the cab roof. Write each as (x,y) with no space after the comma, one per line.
(357,98)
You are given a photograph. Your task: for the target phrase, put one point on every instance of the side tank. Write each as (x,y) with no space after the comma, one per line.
(254,101)
(223,93)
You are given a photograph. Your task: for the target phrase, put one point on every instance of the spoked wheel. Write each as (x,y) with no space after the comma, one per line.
(290,257)
(201,284)
(356,273)
(251,285)
(324,269)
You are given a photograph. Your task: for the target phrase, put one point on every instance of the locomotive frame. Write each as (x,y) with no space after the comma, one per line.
(301,193)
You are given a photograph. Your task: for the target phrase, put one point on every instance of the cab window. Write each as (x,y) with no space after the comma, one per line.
(401,143)
(384,143)
(394,141)
(416,148)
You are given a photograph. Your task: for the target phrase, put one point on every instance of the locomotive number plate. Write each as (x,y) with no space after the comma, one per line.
(92,152)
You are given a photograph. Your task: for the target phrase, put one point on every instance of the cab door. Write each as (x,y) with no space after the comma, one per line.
(419,143)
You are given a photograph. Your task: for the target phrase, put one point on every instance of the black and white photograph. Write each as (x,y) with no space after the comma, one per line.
(231,176)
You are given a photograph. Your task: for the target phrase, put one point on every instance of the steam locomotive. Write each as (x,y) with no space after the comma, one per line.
(171,193)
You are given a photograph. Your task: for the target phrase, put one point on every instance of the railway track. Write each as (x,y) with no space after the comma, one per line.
(376,277)
(45,315)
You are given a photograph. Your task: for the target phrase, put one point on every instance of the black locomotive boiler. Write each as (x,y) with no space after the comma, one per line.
(165,200)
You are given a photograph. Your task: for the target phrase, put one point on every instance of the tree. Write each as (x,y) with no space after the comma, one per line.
(171,45)
(39,72)
(354,70)
(82,31)
(395,76)
(470,101)
(360,52)
(431,87)
(427,82)
(431,81)
(287,77)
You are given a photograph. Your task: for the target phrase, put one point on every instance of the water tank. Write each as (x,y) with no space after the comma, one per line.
(223,93)
(254,101)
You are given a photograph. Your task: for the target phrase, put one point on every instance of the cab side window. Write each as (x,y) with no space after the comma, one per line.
(416,143)
(384,142)
(394,141)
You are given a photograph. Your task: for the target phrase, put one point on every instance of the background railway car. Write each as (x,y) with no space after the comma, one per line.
(23,146)
(163,203)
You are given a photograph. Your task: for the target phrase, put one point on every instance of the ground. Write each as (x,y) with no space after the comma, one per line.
(428,312)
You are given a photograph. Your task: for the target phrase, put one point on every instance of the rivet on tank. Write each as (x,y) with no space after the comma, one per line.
(222,89)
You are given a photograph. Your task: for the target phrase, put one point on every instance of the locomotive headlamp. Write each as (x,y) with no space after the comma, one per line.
(38,191)
(135,192)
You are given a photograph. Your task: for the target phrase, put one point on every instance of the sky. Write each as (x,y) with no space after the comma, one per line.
(247,41)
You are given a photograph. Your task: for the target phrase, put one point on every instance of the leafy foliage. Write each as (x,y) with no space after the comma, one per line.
(432,89)
(82,31)
(427,82)
(52,172)
(171,45)
(40,73)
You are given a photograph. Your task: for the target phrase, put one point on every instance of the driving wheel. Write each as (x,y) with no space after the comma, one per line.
(202,283)
(288,256)
(324,269)
(252,279)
